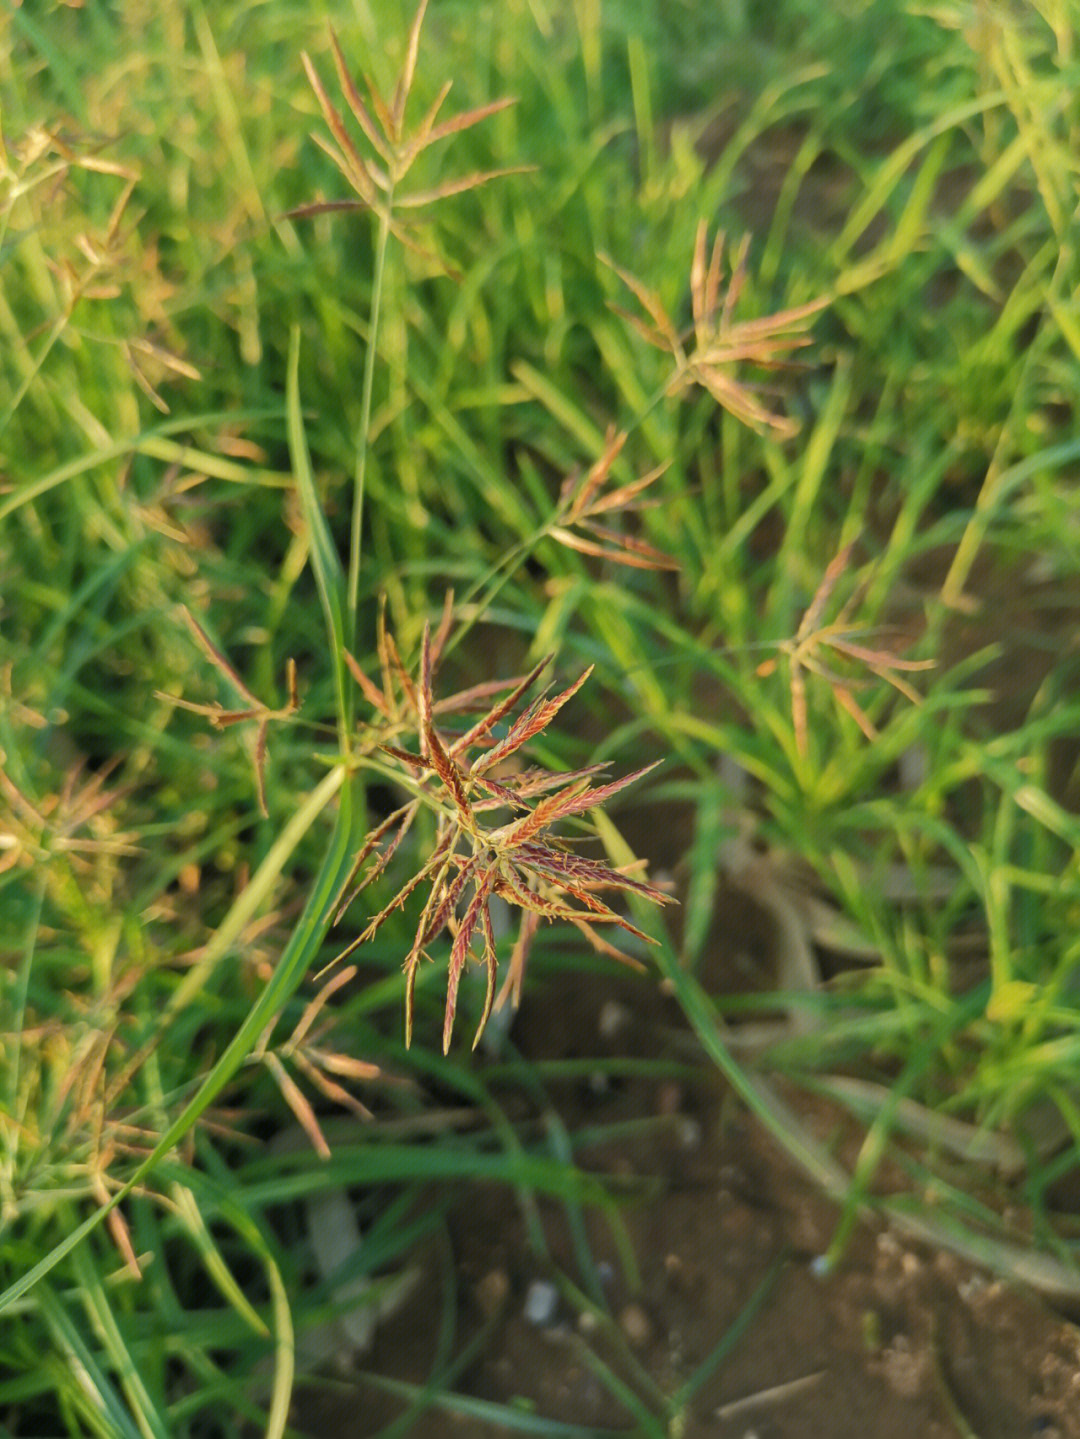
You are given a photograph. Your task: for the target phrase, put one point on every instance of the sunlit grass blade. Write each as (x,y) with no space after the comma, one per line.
(324,557)
(98,1309)
(31,490)
(91,1388)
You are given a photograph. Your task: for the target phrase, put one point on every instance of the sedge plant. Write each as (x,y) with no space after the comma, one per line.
(471,862)
(518,861)
(456,776)
(742,520)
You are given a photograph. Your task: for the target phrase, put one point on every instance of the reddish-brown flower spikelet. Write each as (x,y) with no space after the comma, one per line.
(581,501)
(379,183)
(513,860)
(720,342)
(535,719)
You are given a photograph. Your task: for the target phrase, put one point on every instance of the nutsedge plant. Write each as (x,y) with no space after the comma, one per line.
(116,860)
(460,776)
(802,654)
(720,342)
(463,778)
(376,183)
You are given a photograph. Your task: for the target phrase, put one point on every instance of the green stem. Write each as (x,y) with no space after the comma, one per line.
(365,418)
(502,570)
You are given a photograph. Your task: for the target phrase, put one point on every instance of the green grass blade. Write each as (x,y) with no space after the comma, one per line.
(105,1410)
(33,489)
(213,1260)
(249,1230)
(731,1336)
(256,892)
(63,74)
(329,576)
(147,1414)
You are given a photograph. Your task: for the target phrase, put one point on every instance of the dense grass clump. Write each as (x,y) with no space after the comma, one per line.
(331,406)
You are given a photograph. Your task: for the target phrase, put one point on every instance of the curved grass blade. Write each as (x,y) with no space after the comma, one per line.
(149,1418)
(247,1226)
(329,576)
(98,1391)
(104,454)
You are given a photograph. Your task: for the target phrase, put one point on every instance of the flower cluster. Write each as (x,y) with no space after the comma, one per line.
(463,778)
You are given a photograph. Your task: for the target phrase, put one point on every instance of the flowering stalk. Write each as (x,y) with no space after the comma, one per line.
(463,778)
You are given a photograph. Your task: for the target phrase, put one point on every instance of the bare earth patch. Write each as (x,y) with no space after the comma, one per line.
(897,1342)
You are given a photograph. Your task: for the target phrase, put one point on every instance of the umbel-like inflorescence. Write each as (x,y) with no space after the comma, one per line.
(462,775)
